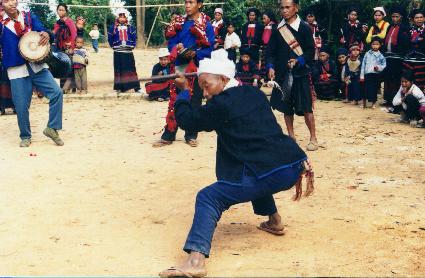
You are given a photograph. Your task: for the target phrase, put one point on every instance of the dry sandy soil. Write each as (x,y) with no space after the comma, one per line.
(107,203)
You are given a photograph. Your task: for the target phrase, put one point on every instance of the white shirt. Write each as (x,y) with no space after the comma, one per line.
(231,40)
(22,70)
(415,91)
(295,24)
(94,34)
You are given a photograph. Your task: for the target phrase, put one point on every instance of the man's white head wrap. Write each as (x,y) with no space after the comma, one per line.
(380,9)
(219,64)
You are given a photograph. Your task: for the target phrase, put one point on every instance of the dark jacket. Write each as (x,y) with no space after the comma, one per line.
(158,69)
(402,45)
(319,69)
(279,52)
(247,72)
(248,133)
(352,33)
(258,36)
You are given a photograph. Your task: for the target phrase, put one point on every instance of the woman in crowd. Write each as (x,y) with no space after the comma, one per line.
(252,33)
(379,29)
(353,31)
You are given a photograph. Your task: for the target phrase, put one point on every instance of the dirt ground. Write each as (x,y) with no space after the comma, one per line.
(107,203)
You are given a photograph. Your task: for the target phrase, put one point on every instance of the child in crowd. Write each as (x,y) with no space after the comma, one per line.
(232,42)
(325,75)
(80,60)
(373,64)
(410,100)
(342,56)
(94,35)
(247,70)
(160,90)
(351,74)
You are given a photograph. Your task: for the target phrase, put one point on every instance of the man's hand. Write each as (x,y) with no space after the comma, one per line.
(190,54)
(179,47)
(376,68)
(181,82)
(272,74)
(342,40)
(292,63)
(44,38)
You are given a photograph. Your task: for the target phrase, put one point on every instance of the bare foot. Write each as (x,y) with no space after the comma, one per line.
(194,266)
(273,226)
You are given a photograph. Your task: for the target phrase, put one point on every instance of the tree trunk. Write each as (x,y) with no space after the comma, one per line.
(105,28)
(140,20)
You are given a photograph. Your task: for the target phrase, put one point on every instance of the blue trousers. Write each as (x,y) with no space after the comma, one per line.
(95,44)
(22,89)
(213,200)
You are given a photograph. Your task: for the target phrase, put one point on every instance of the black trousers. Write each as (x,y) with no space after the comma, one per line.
(412,111)
(195,101)
(372,83)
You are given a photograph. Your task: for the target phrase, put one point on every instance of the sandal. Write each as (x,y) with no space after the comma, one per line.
(176,272)
(192,142)
(312,146)
(266,228)
(161,143)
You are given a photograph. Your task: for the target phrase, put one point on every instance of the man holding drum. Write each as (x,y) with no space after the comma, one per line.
(25,75)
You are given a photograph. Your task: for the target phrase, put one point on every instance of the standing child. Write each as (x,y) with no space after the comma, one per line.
(246,69)
(351,74)
(160,90)
(80,60)
(373,64)
(232,42)
(342,56)
(94,35)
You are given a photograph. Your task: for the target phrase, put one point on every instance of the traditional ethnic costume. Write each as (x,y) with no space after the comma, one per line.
(159,89)
(372,78)
(379,29)
(247,73)
(300,93)
(24,75)
(325,77)
(352,32)
(251,36)
(197,35)
(417,38)
(123,38)
(254,158)
(5,92)
(267,33)
(340,76)
(396,46)
(219,30)
(319,36)
(351,75)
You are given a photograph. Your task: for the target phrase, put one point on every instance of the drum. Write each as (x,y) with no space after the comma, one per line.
(31,50)
(59,63)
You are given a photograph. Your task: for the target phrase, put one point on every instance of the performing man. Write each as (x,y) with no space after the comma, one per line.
(24,76)
(290,54)
(254,158)
(191,39)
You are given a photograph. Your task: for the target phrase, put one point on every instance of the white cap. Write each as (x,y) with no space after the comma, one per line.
(219,64)
(122,11)
(218,10)
(380,9)
(163,52)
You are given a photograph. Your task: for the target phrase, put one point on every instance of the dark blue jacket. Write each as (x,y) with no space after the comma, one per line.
(10,41)
(248,133)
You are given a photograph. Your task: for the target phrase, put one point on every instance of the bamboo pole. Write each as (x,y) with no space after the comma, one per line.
(153,25)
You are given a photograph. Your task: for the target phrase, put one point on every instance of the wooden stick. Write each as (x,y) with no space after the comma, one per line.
(147,79)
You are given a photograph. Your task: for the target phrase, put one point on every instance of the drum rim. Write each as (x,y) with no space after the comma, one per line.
(48,49)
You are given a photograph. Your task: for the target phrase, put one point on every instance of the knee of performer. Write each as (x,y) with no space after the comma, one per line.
(204,195)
